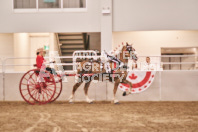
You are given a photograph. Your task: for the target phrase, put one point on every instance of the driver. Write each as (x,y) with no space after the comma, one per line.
(41,63)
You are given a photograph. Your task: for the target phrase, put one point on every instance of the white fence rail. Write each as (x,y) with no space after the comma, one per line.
(166,77)
(167,86)
(164,62)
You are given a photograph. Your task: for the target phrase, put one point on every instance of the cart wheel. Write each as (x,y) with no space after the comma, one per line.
(23,88)
(58,90)
(42,87)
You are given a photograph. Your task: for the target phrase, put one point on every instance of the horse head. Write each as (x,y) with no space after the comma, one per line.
(130,52)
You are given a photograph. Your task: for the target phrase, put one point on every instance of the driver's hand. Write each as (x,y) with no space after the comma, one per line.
(53,62)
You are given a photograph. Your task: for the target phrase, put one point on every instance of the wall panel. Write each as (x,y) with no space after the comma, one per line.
(135,15)
(88,21)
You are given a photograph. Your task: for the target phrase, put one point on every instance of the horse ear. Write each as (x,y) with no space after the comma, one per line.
(127,44)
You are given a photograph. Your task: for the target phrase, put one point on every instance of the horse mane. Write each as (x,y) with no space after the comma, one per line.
(119,52)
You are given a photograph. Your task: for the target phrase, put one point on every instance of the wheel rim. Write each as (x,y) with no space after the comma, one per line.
(41,92)
(23,88)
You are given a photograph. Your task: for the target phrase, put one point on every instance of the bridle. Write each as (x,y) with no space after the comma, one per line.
(131,50)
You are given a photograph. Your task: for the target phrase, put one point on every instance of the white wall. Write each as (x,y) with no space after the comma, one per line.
(128,15)
(6,45)
(106,26)
(150,42)
(169,86)
(135,15)
(6,48)
(88,21)
(179,86)
(21,49)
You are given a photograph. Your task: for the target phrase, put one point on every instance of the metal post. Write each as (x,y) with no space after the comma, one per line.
(160,82)
(106,91)
(3,71)
(160,85)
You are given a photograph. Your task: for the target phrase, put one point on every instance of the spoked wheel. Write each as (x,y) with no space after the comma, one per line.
(58,90)
(41,87)
(23,88)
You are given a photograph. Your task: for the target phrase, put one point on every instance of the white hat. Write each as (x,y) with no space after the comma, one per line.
(40,49)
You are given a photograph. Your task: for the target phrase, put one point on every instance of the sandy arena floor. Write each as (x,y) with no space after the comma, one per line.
(99,117)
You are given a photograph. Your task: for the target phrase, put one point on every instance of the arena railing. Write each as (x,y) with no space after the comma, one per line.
(30,66)
(170,62)
(156,60)
(5,65)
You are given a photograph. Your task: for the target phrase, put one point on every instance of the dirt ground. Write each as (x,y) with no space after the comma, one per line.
(99,117)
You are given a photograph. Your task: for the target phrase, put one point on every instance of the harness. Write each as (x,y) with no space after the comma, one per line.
(117,64)
(131,49)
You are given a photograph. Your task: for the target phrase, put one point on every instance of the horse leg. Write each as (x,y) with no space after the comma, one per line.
(130,87)
(115,101)
(75,87)
(86,87)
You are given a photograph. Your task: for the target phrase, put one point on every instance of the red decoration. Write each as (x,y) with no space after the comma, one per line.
(140,80)
(133,77)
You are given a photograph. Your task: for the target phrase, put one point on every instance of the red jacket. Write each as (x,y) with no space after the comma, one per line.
(39,61)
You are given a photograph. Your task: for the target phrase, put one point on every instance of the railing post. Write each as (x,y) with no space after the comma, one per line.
(160,79)
(1,60)
(88,37)
(58,44)
(81,3)
(3,72)
(85,40)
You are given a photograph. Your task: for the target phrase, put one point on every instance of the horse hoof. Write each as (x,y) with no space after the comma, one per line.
(71,102)
(116,102)
(90,101)
(124,94)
